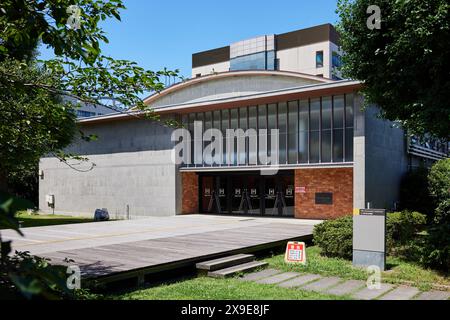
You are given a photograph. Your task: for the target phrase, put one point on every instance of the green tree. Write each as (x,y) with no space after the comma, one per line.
(71,28)
(439,186)
(404,64)
(35,119)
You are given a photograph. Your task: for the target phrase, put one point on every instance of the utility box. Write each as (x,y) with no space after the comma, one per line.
(50,199)
(369,238)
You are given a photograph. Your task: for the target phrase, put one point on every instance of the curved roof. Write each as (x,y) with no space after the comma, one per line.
(230,84)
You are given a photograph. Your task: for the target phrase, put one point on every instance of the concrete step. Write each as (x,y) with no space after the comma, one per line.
(231,271)
(226,262)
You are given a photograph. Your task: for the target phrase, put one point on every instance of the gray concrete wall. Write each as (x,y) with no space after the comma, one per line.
(359,155)
(226,87)
(132,167)
(386,160)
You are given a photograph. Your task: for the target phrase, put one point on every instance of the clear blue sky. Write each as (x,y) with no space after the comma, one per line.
(159,34)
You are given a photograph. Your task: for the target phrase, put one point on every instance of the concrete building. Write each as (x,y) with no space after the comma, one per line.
(85,110)
(313,51)
(333,157)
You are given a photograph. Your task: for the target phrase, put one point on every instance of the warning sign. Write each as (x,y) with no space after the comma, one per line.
(300,189)
(295,252)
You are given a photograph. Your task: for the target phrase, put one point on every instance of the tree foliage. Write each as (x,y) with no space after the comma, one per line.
(36,119)
(34,122)
(439,186)
(404,64)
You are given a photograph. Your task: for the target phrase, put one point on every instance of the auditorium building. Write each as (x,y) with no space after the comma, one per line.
(335,156)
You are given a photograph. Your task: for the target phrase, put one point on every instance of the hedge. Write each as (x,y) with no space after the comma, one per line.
(335,237)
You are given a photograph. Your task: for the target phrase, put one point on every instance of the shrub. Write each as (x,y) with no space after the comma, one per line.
(439,186)
(414,193)
(335,237)
(433,250)
(401,227)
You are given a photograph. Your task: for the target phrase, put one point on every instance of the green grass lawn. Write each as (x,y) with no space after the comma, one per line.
(39,220)
(222,289)
(204,288)
(399,271)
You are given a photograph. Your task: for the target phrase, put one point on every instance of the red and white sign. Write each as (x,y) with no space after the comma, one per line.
(300,189)
(295,252)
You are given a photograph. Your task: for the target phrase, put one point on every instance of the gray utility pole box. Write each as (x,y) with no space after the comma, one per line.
(369,238)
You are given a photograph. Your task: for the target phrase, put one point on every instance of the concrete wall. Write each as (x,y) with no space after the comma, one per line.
(386,160)
(211,68)
(226,87)
(303,59)
(132,167)
(359,155)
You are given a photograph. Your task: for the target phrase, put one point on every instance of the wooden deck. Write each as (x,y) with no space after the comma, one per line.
(209,238)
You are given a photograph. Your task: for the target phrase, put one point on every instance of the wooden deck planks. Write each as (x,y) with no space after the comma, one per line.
(123,258)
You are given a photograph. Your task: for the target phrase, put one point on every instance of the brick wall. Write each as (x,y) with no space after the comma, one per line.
(339,181)
(189,184)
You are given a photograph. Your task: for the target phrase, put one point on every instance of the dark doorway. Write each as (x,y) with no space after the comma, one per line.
(247,193)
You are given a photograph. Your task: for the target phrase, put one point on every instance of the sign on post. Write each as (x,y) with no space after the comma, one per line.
(295,252)
(369,238)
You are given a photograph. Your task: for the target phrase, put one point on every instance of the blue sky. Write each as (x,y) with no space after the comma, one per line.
(158,34)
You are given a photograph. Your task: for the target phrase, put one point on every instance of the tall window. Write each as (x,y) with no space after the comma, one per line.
(303,132)
(234,125)
(225,126)
(326,130)
(338,128)
(272,124)
(314,138)
(310,130)
(262,124)
(243,125)
(349,127)
(319,59)
(252,124)
(292,131)
(282,126)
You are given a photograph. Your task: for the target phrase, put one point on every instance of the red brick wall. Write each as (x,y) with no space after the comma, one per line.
(339,181)
(189,185)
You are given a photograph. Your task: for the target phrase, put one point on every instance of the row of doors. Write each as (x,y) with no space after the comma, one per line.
(247,193)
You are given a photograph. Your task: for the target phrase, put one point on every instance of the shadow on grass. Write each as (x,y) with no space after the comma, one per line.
(40,221)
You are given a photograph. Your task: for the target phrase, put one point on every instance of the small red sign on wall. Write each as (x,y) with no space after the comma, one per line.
(295,252)
(300,189)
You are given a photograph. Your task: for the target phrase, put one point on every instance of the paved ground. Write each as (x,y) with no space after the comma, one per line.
(39,240)
(108,248)
(355,289)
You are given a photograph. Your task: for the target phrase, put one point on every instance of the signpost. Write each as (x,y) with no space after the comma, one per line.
(295,252)
(369,238)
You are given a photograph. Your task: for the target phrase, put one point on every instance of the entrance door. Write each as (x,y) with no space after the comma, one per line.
(213,194)
(287,191)
(270,196)
(254,193)
(247,193)
(279,195)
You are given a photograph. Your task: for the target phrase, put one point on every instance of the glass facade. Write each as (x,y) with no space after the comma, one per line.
(315,130)
(257,61)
